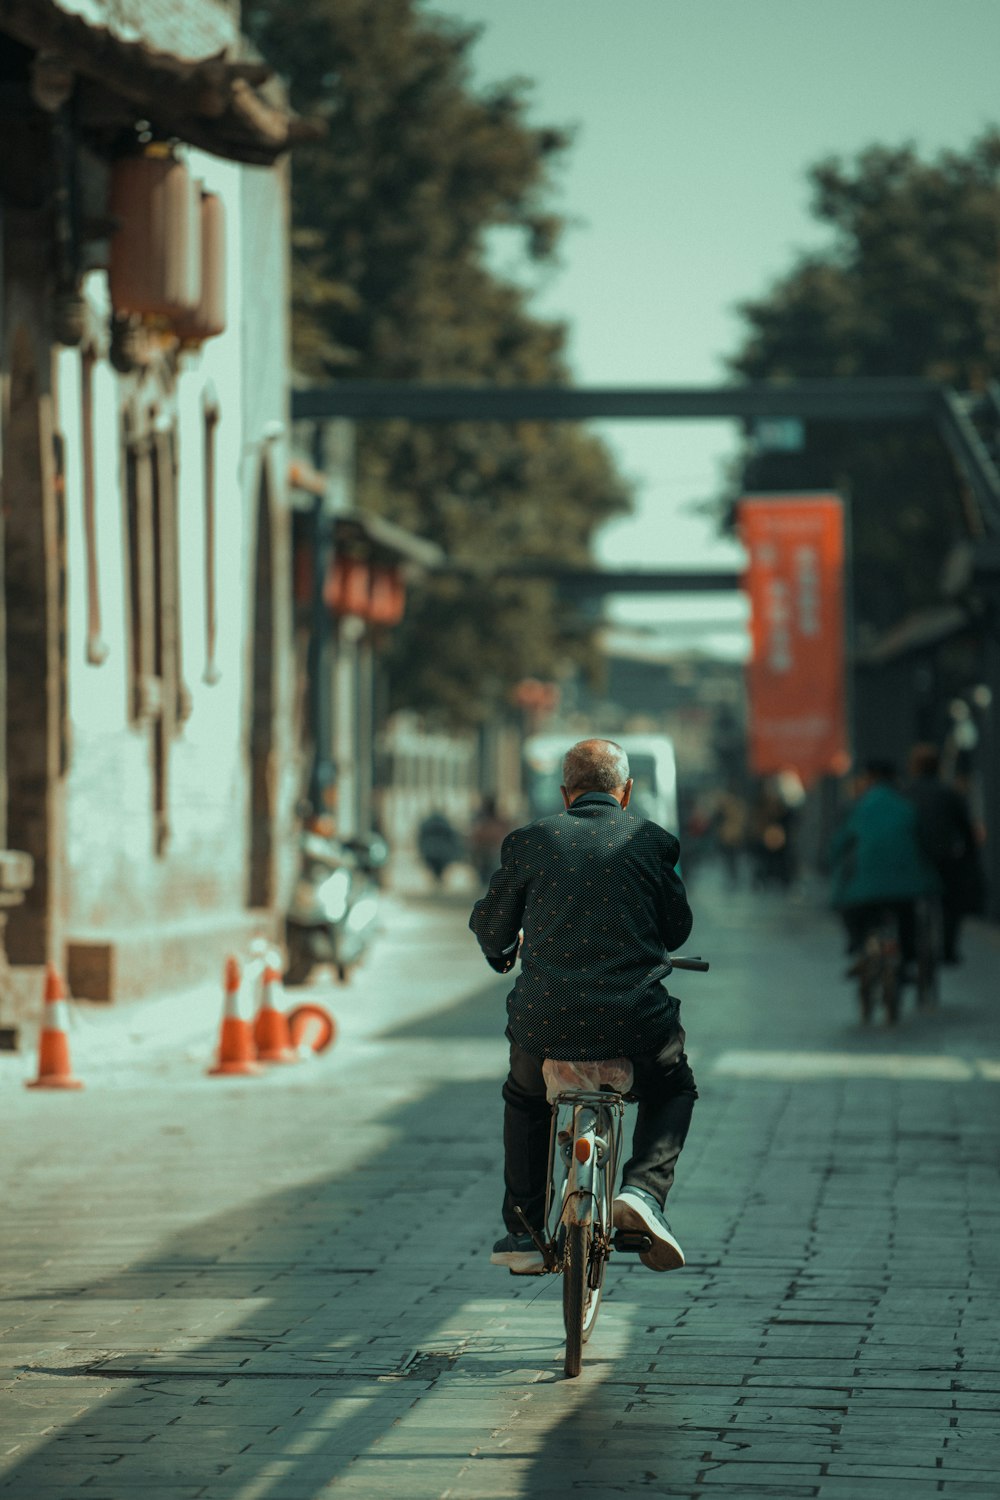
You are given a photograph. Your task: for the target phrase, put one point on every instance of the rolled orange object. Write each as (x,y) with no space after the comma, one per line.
(310,1018)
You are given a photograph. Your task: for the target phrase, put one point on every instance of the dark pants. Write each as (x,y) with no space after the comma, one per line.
(664,1086)
(862,919)
(952,913)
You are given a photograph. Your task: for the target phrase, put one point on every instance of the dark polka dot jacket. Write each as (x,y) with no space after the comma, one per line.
(600,903)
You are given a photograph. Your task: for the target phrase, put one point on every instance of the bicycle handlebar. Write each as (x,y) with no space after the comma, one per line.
(697,964)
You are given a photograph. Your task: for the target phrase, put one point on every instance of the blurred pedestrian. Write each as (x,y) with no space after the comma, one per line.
(440,844)
(771,835)
(729,820)
(486,835)
(945,827)
(695,828)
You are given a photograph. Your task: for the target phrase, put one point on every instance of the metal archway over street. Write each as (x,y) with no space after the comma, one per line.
(961,418)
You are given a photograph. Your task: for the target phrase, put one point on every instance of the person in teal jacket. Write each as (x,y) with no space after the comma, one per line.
(878,861)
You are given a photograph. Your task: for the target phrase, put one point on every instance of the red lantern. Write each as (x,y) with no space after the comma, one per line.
(208,319)
(346,590)
(387,596)
(155,251)
(536,697)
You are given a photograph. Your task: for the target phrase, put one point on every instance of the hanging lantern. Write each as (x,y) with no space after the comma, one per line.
(155,251)
(346,590)
(208,318)
(387,596)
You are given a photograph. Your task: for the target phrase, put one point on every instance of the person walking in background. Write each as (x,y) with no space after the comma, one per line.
(729,819)
(439,844)
(772,821)
(486,835)
(945,828)
(878,862)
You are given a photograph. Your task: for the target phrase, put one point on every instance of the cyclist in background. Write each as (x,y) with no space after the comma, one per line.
(879,863)
(595,892)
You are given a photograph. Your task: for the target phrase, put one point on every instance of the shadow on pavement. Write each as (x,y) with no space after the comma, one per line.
(374,1346)
(481,1015)
(356,1285)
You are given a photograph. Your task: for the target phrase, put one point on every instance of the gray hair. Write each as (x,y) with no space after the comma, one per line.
(594,766)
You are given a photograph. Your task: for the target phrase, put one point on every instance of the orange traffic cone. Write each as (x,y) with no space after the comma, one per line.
(236,1049)
(270,1029)
(54,1071)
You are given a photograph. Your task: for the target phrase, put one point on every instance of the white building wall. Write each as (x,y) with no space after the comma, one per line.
(118,887)
(266,363)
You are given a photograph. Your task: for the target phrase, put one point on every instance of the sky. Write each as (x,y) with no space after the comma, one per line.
(696,121)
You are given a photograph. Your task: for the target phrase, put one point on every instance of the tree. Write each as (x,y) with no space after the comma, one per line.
(908,286)
(392,218)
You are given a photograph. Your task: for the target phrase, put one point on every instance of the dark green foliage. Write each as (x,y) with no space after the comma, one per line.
(909,286)
(393,214)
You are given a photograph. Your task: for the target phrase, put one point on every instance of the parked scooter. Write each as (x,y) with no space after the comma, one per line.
(334,908)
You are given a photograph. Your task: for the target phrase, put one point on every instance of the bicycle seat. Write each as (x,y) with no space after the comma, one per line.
(567,1077)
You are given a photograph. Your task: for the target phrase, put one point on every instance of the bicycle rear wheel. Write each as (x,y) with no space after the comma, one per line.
(580,1302)
(868,967)
(890,996)
(891,978)
(585,1261)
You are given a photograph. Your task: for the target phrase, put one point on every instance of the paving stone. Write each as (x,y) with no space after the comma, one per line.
(825,1342)
(882,1488)
(966,1487)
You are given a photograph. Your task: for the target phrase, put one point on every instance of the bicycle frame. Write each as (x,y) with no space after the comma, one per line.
(579,1236)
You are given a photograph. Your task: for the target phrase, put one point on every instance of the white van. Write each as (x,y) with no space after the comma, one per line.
(651,762)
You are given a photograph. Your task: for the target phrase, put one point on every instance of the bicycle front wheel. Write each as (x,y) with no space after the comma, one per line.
(583,1282)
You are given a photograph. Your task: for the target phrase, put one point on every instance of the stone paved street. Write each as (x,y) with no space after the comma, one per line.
(279,1289)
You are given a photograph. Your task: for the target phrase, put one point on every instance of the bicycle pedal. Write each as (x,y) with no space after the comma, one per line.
(632,1241)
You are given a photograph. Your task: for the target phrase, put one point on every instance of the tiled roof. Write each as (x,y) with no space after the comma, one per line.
(182,63)
(190,30)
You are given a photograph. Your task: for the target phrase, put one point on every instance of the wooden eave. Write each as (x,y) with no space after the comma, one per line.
(231,106)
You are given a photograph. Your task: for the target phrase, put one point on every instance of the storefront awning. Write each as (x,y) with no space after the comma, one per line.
(386,539)
(366,532)
(921,631)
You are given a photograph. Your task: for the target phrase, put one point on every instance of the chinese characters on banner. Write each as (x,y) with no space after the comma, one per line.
(795,677)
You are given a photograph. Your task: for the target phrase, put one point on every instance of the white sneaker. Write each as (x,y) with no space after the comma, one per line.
(638,1212)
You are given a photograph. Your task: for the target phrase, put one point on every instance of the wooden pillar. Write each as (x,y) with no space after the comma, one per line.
(34,640)
(261,726)
(989,759)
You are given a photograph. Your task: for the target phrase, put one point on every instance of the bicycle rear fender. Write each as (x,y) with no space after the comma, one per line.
(578,1205)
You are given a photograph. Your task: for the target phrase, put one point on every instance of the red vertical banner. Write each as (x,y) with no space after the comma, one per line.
(796,674)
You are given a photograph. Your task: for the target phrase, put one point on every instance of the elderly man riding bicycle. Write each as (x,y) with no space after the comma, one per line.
(591,901)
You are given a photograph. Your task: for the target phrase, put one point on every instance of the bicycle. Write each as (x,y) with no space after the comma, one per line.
(880,970)
(585,1152)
